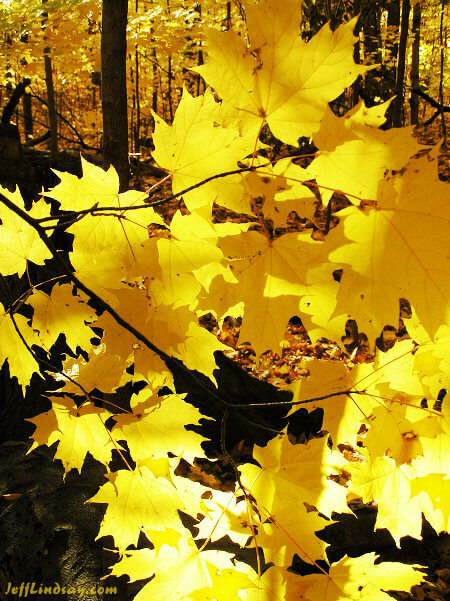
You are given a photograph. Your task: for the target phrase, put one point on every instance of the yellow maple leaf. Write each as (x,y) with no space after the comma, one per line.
(135,564)
(387,235)
(343,414)
(292,531)
(436,451)
(78,430)
(197,350)
(275,584)
(432,360)
(295,474)
(180,572)
(433,493)
(353,125)
(225,515)
(19,241)
(192,246)
(397,430)
(354,156)
(281,187)
(358,579)
(21,362)
(102,371)
(62,312)
(279,78)
(271,277)
(389,485)
(158,429)
(196,147)
(137,499)
(95,187)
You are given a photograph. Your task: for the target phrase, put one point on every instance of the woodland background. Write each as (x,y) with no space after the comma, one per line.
(69,84)
(58,48)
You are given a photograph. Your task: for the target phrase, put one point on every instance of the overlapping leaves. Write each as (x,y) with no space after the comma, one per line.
(391,244)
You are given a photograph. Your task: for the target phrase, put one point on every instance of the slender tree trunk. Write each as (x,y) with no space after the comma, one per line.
(154,82)
(169,75)
(138,106)
(228,17)
(443,42)
(391,48)
(397,111)
(356,88)
(114,88)
(371,26)
(136,91)
(393,23)
(200,60)
(27,116)
(415,82)
(51,104)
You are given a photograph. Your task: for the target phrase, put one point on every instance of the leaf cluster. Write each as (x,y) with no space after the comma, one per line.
(134,287)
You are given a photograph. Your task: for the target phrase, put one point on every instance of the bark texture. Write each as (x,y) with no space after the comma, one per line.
(114,88)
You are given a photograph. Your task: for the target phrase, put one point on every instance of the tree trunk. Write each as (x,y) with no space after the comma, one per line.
(27,116)
(114,88)
(443,43)
(415,82)
(356,88)
(371,27)
(51,104)
(391,49)
(397,111)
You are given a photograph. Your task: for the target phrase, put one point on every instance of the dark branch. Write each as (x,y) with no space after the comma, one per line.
(13,101)
(434,103)
(190,380)
(94,210)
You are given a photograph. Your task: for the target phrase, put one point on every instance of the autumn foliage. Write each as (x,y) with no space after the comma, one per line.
(143,283)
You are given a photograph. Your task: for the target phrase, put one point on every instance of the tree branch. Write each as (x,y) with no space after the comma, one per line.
(174,365)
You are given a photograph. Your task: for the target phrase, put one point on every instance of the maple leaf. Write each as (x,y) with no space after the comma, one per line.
(228,583)
(225,515)
(436,452)
(135,564)
(21,362)
(396,368)
(432,359)
(192,247)
(279,78)
(62,312)
(433,493)
(382,481)
(96,187)
(397,430)
(197,351)
(352,579)
(156,429)
(102,371)
(281,187)
(343,414)
(292,531)
(136,499)
(291,474)
(271,277)
(387,235)
(20,242)
(354,157)
(79,430)
(178,571)
(275,584)
(196,147)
